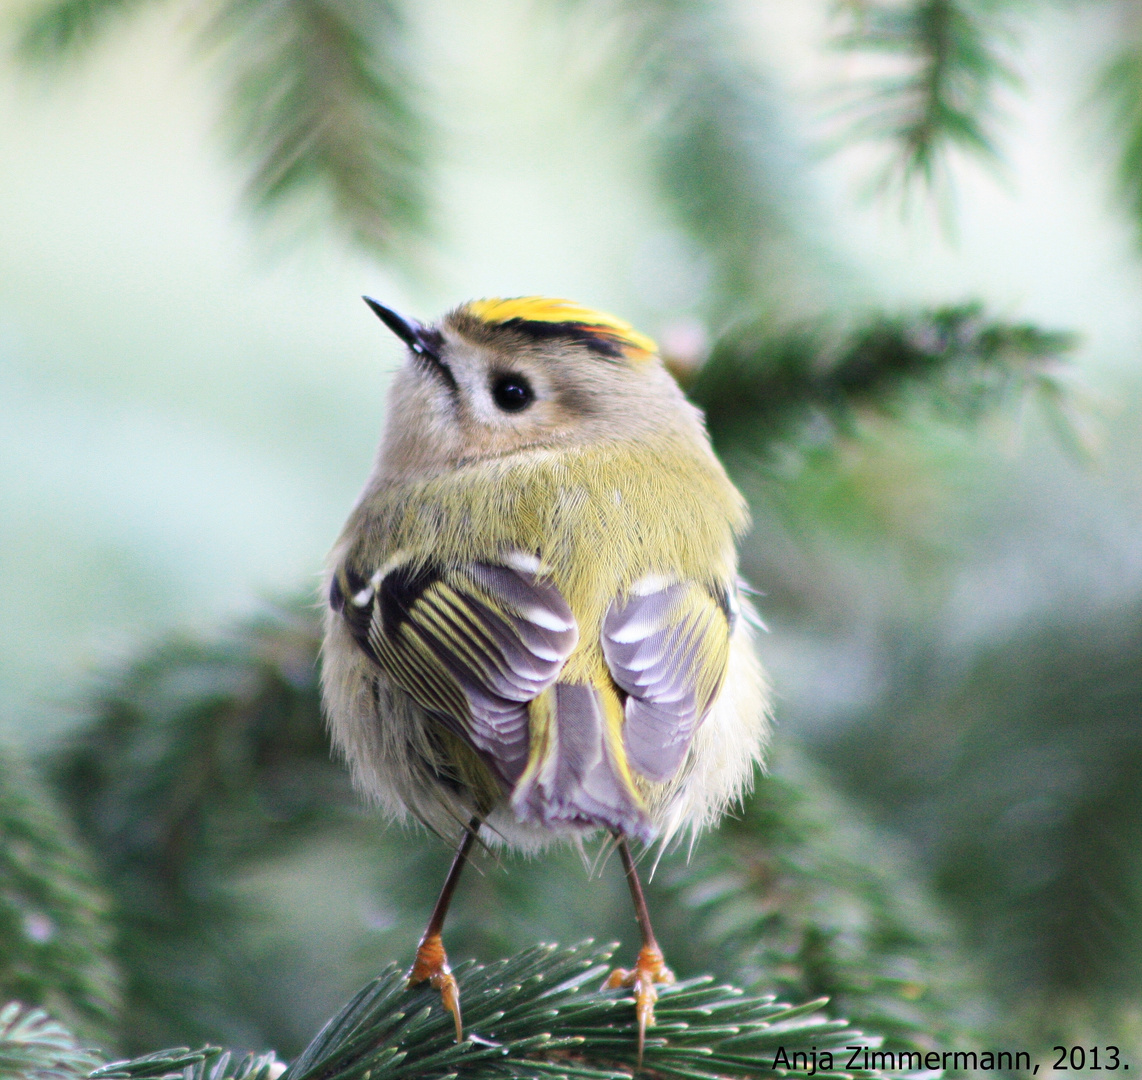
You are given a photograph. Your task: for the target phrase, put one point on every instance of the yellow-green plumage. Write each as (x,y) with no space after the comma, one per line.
(600,524)
(604,489)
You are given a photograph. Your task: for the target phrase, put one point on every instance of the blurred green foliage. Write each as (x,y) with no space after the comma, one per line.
(56,922)
(803,896)
(322,104)
(954,53)
(33,1046)
(1019,779)
(1121,88)
(763,385)
(203,757)
(681,83)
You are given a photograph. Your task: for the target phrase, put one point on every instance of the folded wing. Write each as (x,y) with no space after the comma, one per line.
(667,645)
(472,645)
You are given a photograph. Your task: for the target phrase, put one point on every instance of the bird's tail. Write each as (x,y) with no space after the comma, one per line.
(577,772)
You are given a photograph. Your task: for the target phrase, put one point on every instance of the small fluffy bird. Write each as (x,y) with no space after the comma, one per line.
(535,629)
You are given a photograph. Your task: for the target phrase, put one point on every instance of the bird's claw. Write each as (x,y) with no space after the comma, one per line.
(431,965)
(649,973)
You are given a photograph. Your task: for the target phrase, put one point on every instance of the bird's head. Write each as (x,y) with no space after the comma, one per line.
(498,376)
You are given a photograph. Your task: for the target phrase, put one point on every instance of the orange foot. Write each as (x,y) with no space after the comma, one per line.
(431,963)
(649,972)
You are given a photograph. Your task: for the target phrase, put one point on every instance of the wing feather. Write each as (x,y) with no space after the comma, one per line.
(472,645)
(667,646)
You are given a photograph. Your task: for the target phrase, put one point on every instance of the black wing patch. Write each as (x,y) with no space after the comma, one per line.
(472,645)
(399,591)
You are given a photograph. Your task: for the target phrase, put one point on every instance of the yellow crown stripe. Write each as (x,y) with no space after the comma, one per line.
(547,309)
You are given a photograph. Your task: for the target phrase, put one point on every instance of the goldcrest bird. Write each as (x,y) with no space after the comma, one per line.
(534,628)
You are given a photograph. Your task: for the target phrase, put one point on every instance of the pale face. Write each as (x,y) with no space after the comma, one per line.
(479,400)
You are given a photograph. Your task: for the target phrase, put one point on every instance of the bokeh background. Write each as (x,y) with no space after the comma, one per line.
(891,247)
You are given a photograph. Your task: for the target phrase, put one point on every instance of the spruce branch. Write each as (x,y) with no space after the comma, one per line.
(1120,88)
(56,921)
(946,96)
(324,103)
(64,29)
(207,1063)
(1021,776)
(196,761)
(763,388)
(539,1013)
(33,1046)
(804,895)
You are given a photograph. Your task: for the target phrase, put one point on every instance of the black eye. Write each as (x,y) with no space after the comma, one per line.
(512,393)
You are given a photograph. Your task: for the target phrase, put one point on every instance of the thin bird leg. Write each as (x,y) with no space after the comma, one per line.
(431,961)
(650,970)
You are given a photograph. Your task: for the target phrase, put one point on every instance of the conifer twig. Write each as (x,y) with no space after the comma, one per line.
(762,387)
(708,117)
(946,96)
(324,104)
(33,1046)
(57,925)
(540,1013)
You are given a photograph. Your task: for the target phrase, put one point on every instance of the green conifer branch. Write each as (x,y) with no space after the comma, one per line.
(33,1046)
(540,1013)
(324,103)
(945,99)
(763,388)
(1120,88)
(207,1063)
(199,758)
(1052,900)
(55,32)
(56,921)
(804,895)
(708,119)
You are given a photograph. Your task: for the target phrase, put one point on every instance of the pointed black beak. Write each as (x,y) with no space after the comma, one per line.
(412,333)
(423,341)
